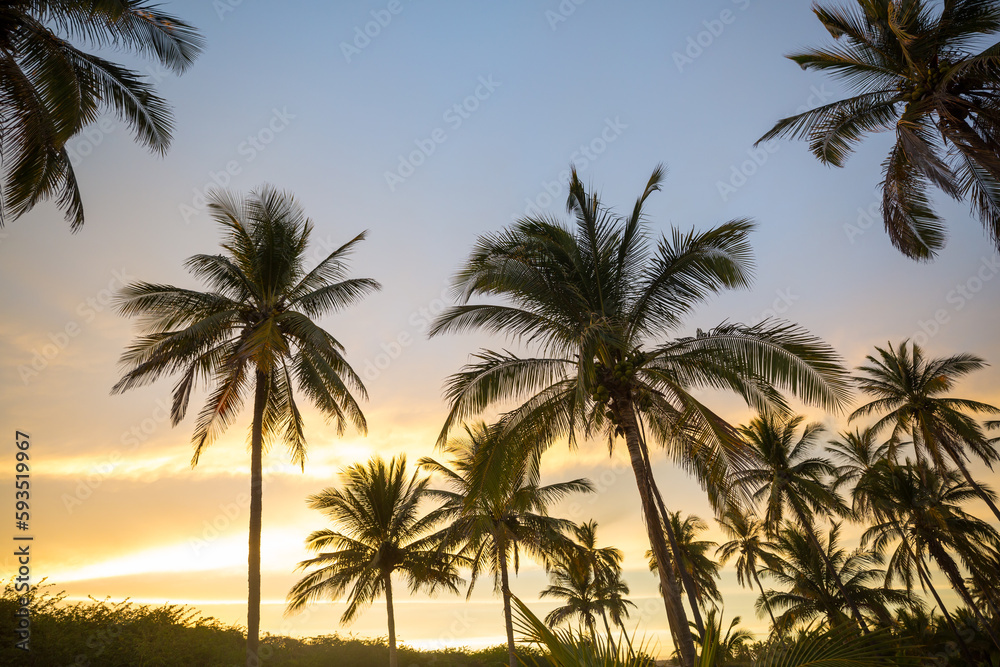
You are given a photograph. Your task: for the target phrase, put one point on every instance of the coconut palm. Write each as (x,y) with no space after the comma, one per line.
(692,555)
(919,509)
(572,579)
(788,481)
(909,393)
(829,583)
(50,90)
(253,334)
(747,540)
(913,72)
(494,508)
(378,532)
(597,300)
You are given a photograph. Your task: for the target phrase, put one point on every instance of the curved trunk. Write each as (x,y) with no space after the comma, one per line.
(686,578)
(256,500)
(607,628)
(392,621)
(671,596)
(924,578)
(505,590)
(950,569)
(807,526)
(774,623)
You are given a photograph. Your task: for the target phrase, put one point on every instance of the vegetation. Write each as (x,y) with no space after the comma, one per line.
(597,298)
(913,73)
(254,331)
(380,533)
(50,90)
(495,508)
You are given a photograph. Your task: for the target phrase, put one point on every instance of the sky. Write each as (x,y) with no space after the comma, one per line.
(429,124)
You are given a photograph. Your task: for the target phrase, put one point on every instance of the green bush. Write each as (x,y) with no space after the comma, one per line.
(125,634)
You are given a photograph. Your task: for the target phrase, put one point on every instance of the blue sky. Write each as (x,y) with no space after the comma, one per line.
(450,121)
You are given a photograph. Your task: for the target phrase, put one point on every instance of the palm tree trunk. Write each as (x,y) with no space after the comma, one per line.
(767,605)
(686,578)
(256,500)
(963,647)
(676,616)
(607,628)
(392,620)
(950,569)
(833,572)
(507,618)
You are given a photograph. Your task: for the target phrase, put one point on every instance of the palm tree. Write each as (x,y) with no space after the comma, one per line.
(913,73)
(494,508)
(724,649)
(692,555)
(908,392)
(597,300)
(827,582)
(748,540)
(589,577)
(50,90)
(378,532)
(920,509)
(253,331)
(789,481)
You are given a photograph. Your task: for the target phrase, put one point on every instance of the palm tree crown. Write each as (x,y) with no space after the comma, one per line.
(913,73)
(50,90)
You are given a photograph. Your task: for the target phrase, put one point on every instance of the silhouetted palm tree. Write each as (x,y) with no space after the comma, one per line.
(598,299)
(692,555)
(377,532)
(495,508)
(908,392)
(251,333)
(748,540)
(828,583)
(914,74)
(50,89)
(787,480)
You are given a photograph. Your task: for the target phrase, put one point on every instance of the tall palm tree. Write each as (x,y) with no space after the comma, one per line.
(909,397)
(829,583)
(747,540)
(494,507)
(692,555)
(788,481)
(912,72)
(251,333)
(597,301)
(920,510)
(50,89)
(378,532)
